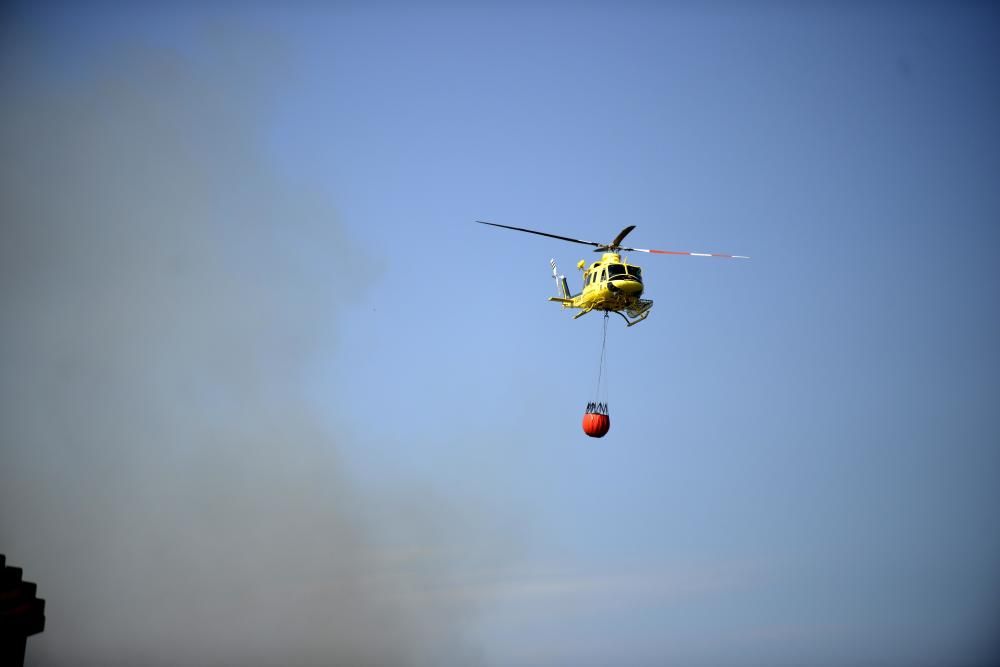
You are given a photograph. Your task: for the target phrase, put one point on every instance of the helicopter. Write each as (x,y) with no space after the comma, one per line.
(610,284)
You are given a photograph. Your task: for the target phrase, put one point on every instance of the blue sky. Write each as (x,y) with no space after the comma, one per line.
(251,231)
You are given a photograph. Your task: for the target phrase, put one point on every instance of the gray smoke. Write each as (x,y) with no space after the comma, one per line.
(162,295)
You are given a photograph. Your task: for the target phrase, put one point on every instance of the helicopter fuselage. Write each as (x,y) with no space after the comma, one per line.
(610,284)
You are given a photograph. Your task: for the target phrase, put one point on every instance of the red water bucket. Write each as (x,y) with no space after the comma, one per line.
(596,421)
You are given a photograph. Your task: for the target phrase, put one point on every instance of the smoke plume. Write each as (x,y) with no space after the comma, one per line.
(163,292)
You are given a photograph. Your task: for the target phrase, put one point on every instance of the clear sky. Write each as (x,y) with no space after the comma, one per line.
(269,395)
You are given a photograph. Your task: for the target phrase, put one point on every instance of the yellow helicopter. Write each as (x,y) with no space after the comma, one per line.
(610,284)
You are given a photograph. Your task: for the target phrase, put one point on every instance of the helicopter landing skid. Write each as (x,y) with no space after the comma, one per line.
(638,311)
(632,323)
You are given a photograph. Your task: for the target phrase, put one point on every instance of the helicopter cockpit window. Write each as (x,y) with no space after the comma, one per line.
(635,272)
(616,270)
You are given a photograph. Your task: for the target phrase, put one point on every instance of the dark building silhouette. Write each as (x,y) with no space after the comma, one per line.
(22,614)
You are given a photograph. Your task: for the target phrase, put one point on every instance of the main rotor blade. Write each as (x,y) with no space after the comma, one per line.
(621,236)
(532,231)
(682,252)
(616,244)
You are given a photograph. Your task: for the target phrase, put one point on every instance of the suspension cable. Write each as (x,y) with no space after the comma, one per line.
(601,370)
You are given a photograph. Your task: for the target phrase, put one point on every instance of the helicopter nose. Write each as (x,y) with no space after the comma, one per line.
(630,287)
